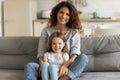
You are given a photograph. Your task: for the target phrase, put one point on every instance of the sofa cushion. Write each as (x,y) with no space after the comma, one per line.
(18,45)
(15,52)
(103,52)
(100,44)
(15,61)
(6,74)
(107,62)
(100,76)
(19,75)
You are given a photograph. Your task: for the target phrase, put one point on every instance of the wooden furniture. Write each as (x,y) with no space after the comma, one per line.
(39,24)
(84,20)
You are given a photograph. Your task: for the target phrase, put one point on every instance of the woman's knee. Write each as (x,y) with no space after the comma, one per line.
(31,65)
(83,57)
(30,70)
(27,65)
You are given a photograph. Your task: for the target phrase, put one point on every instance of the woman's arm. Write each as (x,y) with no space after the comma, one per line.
(40,61)
(41,49)
(42,46)
(72,58)
(64,68)
(74,44)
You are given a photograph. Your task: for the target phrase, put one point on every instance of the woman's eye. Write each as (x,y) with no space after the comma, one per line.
(67,14)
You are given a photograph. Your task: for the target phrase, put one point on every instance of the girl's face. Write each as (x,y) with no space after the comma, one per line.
(63,16)
(57,45)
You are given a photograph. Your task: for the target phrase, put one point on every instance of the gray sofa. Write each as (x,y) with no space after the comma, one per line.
(103,53)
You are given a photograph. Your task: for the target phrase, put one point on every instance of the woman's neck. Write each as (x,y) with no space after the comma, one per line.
(62,28)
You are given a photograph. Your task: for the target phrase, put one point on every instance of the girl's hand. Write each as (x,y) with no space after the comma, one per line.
(63,71)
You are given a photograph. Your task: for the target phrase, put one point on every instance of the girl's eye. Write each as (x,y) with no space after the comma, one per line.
(61,12)
(60,43)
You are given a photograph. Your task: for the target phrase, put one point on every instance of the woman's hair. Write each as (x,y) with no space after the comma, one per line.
(74,22)
(58,35)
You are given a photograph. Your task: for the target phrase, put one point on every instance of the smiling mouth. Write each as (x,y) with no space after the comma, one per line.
(62,20)
(57,49)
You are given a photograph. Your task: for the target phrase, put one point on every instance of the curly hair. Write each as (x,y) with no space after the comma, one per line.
(74,22)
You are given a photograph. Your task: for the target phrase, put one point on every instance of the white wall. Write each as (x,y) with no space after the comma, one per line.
(106,8)
(44,5)
(1,21)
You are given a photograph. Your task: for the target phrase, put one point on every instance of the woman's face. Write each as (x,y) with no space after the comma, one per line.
(63,16)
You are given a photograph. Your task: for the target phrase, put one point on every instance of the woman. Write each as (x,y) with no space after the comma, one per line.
(64,18)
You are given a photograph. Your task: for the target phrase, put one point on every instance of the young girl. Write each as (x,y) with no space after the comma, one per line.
(54,58)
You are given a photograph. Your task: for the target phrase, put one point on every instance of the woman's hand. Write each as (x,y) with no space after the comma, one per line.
(40,60)
(63,71)
(64,68)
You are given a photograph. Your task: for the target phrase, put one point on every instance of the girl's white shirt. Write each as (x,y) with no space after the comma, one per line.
(56,59)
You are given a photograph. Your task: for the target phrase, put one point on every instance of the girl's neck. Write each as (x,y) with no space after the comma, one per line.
(57,53)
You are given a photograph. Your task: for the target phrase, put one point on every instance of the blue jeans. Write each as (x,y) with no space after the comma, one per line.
(75,69)
(31,71)
(49,71)
(78,66)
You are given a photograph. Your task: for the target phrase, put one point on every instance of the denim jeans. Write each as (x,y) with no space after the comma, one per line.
(31,71)
(75,69)
(49,71)
(78,66)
